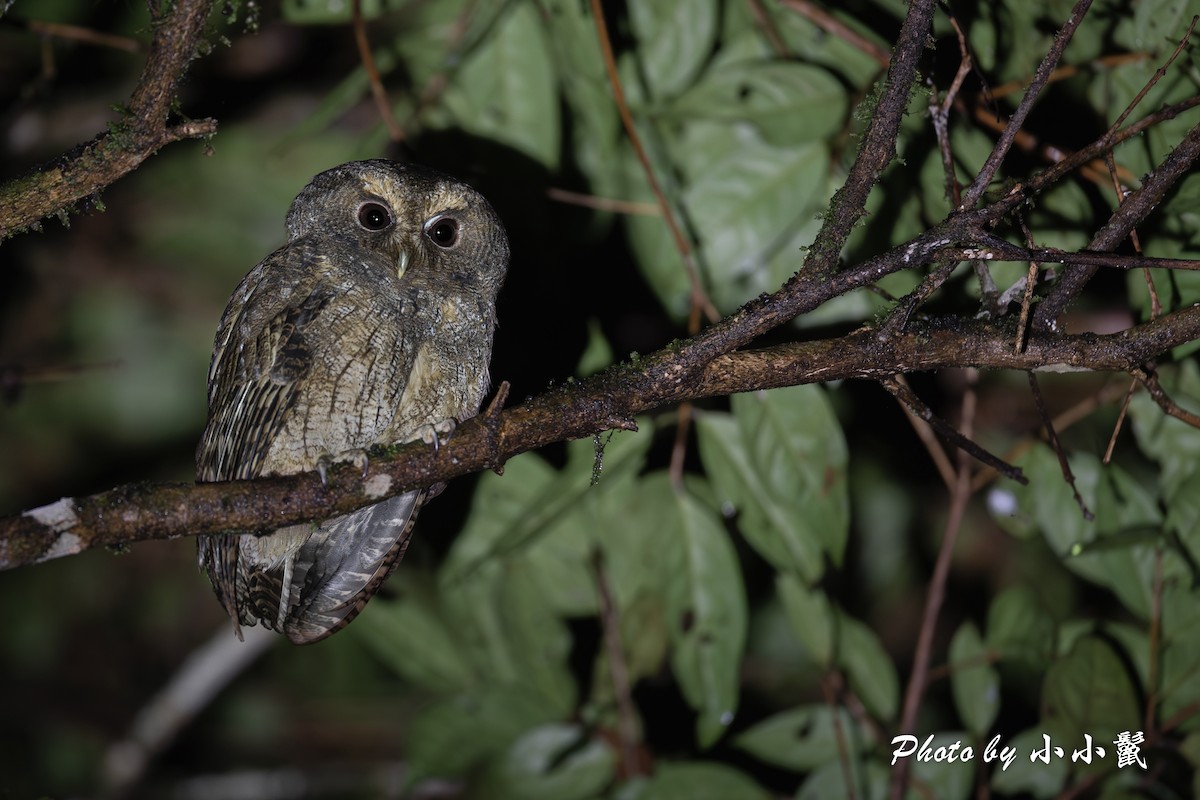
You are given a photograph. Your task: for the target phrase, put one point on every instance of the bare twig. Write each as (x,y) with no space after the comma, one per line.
(77,33)
(604,203)
(925,433)
(144,129)
(959,439)
(627,720)
(1056,446)
(831,685)
(1149,379)
(1080,411)
(378,93)
(700,300)
(762,18)
(1135,208)
(975,191)
(918,678)
(832,25)
(1031,277)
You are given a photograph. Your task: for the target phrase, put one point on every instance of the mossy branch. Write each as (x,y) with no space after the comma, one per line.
(58,188)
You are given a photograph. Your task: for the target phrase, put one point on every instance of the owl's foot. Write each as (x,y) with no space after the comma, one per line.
(357,457)
(435,434)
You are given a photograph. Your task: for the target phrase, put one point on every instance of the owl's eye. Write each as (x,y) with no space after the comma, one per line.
(374,216)
(443,232)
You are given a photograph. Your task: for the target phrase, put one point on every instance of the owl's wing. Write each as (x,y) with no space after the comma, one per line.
(253,384)
(344,563)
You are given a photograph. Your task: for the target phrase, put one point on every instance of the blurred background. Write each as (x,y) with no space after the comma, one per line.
(106,326)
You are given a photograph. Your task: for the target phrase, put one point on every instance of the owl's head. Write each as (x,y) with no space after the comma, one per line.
(418,218)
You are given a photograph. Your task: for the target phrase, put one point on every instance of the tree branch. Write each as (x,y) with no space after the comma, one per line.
(56,189)
(607,401)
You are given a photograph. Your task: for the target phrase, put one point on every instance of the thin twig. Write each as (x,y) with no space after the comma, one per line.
(144,129)
(1149,379)
(926,434)
(604,203)
(1056,446)
(1154,79)
(627,719)
(984,178)
(1102,64)
(1116,431)
(940,115)
(378,93)
(832,25)
(1153,642)
(1030,283)
(831,684)
(762,18)
(699,297)
(1076,413)
(679,446)
(918,678)
(77,33)
(959,439)
(438,82)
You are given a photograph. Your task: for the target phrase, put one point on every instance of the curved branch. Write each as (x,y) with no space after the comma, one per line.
(610,400)
(57,188)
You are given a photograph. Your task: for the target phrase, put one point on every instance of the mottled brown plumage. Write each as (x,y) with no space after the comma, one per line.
(372,325)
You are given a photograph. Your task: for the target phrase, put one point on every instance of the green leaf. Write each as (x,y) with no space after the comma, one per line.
(869,781)
(811,615)
(780,460)
(595,124)
(1018,628)
(675,38)
(945,779)
(510,634)
(513,512)
(1179,685)
(836,53)
(803,738)
(753,206)
(333,12)
(1169,441)
(458,733)
(868,666)
(597,355)
(1117,550)
(700,781)
(786,101)
(1089,692)
(506,89)
(974,681)
(410,636)
(707,611)
(1024,775)
(551,762)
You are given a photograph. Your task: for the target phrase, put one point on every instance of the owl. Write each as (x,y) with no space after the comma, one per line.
(372,325)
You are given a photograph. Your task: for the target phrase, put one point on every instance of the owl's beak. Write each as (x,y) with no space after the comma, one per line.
(402,263)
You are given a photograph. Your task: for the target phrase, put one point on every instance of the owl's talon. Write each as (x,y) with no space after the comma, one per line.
(323,465)
(357,457)
(434,434)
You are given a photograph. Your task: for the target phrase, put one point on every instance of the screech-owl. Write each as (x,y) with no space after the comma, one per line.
(372,325)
